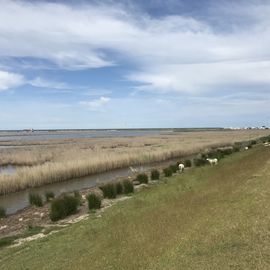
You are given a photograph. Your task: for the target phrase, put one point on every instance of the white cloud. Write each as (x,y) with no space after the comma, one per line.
(40,82)
(171,53)
(10,80)
(194,78)
(96,104)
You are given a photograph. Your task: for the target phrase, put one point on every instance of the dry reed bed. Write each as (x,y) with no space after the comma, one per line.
(74,149)
(90,156)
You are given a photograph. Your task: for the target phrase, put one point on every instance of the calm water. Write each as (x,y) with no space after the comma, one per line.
(16,201)
(48,135)
(9,169)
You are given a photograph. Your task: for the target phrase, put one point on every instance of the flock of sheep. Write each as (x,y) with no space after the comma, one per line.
(212,161)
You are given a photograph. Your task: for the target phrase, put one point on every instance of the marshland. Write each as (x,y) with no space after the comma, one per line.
(200,219)
(44,162)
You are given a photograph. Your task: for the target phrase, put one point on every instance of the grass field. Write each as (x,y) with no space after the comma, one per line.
(208,218)
(60,160)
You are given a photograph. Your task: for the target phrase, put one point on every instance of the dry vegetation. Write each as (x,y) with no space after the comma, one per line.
(60,160)
(207,218)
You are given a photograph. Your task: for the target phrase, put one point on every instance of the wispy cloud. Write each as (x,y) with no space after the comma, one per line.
(172,53)
(40,82)
(215,61)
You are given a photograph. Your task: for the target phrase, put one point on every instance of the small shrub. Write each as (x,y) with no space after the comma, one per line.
(142,178)
(253,142)
(94,201)
(35,199)
(119,187)
(238,144)
(154,174)
(174,168)
(167,172)
(227,151)
(187,163)
(109,190)
(204,156)
(7,241)
(78,197)
(219,154)
(212,154)
(2,212)
(49,195)
(128,187)
(236,148)
(62,207)
(199,162)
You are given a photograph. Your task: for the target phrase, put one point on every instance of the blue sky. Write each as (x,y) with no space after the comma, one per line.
(130,64)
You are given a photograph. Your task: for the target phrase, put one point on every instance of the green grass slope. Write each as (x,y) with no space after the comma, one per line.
(208,218)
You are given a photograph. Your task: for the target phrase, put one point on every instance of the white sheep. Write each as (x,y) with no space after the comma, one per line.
(181,167)
(212,161)
(246,148)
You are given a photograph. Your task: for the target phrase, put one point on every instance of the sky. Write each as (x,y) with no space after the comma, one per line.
(134,64)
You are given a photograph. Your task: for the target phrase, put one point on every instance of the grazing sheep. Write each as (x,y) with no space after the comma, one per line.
(246,148)
(212,161)
(181,167)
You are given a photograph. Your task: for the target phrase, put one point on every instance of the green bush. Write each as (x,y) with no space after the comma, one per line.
(199,162)
(109,190)
(154,174)
(62,207)
(265,139)
(253,142)
(128,187)
(174,167)
(168,172)
(49,195)
(142,178)
(219,154)
(236,148)
(226,151)
(35,199)
(204,156)
(119,187)
(94,201)
(187,163)
(78,197)
(2,212)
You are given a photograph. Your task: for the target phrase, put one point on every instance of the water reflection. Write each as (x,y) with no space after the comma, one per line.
(9,169)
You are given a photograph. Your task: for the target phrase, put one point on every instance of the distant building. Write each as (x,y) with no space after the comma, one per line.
(29,130)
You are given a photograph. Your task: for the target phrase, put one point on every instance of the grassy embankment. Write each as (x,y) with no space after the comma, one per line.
(208,218)
(82,157)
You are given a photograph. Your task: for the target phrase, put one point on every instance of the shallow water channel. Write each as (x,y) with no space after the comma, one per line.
(14,202)
(8,169)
